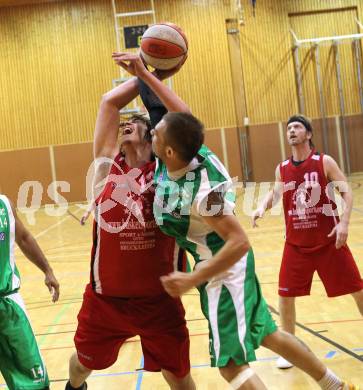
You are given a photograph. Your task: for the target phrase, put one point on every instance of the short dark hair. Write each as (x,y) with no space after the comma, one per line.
(184,133)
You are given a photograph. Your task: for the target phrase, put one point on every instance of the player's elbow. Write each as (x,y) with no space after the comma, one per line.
(23,239)
(186,109)
(241,245)
(245,246)
(106,100)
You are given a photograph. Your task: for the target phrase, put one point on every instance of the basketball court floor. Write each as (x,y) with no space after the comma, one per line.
(331,327)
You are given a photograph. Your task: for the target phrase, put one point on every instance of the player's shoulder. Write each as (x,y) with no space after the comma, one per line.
(329,164)
(204,152)
(210,162)
(283,164)
(8,203)
(327,158)
(5,200)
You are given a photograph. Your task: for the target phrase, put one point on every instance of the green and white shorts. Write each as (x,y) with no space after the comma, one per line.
(20,361)
(237,314)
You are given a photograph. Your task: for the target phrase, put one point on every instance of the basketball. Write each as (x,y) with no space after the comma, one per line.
(163,46)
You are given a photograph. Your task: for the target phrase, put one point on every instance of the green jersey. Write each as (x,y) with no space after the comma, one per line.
(232,302)
(9,275)
(181,202)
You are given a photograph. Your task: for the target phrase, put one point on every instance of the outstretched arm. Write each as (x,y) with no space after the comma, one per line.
(337,177)
(235,247)
(270,200)
(134,65)
(32,251)
(105,142)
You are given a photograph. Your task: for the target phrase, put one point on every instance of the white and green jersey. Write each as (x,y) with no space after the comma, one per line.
(9,275)
(181,201)
(232,302)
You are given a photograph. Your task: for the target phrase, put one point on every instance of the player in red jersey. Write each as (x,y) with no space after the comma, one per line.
(315,236)
(125,297)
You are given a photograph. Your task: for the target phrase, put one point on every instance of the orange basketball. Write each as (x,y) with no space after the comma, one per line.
(163,45)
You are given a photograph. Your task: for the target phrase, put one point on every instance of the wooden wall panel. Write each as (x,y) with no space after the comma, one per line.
(8,3)
(25,165)
(331,23)
(332,139)
(267,63)
(233,151)
(265,151)
(55,64)
(354,125)
(72,163)
(212,138)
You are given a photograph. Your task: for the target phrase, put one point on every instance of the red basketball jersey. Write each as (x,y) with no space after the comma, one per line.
(129,252)
(310,211)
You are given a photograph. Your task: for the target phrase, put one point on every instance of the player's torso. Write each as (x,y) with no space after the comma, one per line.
(130,253)
(175,210)
(9,276)
(309,212)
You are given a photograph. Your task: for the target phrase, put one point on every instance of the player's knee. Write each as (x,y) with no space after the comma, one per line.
(286,302)
(76,365)
(274,338)
(231,370)
(237,379)
(176,383)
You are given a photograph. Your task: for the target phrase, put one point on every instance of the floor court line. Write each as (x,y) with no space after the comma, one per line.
(140,374)
(328,340)
(137,372)
(53,226)
(55,322)
(357,210)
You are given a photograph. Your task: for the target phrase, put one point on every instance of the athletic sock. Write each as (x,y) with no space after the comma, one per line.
(330,381)
(70,387)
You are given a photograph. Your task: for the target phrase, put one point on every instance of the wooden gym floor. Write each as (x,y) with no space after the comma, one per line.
(325,323)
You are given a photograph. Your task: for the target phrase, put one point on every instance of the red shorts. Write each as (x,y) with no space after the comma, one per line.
(105,323)
(336,269)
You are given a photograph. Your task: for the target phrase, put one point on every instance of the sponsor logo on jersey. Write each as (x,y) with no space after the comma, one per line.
(2,236)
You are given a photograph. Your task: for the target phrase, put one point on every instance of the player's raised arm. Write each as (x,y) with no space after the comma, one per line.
(134,65)
(105,142)
(32,251)
(270,199)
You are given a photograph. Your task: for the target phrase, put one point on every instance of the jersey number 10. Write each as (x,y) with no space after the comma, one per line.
(311,179)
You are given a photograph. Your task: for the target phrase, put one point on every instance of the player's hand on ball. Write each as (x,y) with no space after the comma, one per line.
(132,63)
(341,232)
(53,286)
(177,283)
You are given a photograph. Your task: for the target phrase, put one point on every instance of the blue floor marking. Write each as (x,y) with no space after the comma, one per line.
(330,354)
(140,374)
